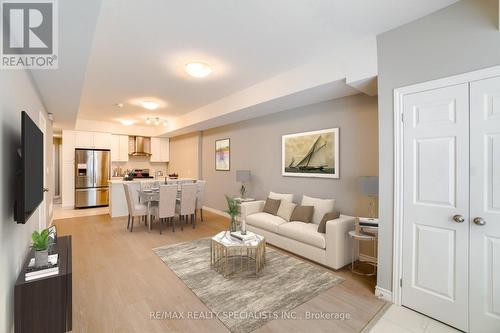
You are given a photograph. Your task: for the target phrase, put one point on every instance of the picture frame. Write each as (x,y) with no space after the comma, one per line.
(223,155)
(311,154)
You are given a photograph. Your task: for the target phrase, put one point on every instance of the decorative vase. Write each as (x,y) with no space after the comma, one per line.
(41,258)
(234,226)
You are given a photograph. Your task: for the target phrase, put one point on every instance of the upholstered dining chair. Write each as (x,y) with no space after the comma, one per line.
(200,195)
(186,205)
(135,209)
(165,211)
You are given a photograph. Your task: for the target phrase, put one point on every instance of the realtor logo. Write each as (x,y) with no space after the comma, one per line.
(29,34)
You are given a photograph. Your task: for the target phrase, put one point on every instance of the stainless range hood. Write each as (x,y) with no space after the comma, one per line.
(139,146)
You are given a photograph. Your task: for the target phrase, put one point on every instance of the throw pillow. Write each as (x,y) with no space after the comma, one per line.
(286,209)
(327,217)
(321,207)
(271,206)
(281,196)
(302,214)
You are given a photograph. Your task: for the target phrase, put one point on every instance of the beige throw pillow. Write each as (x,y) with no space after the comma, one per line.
(281,196)
(286,209)
(321,207)
(271,206)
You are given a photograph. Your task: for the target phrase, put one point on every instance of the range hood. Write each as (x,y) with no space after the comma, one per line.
(139,146)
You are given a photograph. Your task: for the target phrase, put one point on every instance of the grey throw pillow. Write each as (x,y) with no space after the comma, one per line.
(327,217)
(271,206)
(302,214)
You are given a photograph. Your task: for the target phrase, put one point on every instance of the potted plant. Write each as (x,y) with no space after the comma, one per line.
(233,209)
(41,246)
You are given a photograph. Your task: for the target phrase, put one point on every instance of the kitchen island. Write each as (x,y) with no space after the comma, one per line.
(118,202)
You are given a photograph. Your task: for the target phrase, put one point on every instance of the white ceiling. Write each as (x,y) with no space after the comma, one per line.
(139,49)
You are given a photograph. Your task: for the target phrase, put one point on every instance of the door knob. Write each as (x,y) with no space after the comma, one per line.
(45,189)
(458,218)
(479,221)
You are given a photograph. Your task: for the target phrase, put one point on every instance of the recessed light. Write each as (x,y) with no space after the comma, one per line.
(127,122)
(150,105)
(198,69)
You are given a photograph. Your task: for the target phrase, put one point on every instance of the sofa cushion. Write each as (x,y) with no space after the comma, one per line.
(303,232)
(321,207)
(286,209)
(281,196)
(302,214)
(271,206)
(265,221)
(327,217)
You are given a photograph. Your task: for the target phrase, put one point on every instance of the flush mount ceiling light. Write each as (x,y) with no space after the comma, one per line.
(156,121)
(150,105)
(198,69)
(127,122)
(119,105)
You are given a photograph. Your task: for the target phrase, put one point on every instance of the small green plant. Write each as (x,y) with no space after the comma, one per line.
(233,208)
(40,240)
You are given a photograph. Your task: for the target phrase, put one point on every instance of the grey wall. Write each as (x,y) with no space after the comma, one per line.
(256,146)
(16,93)
(457,39)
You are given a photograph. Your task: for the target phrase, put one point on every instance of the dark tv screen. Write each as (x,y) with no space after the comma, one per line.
(30,181)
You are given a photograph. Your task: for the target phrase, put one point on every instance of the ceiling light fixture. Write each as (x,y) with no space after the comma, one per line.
(156,121)
(198,69)
(119,105)
(127,122)
(150,105)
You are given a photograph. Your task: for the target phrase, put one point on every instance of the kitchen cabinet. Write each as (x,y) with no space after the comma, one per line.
(119,148)
(160,150)
(92,140)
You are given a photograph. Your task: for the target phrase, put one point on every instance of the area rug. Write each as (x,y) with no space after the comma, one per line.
(244,303)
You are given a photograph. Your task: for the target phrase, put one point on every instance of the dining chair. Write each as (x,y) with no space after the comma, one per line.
(186,205)
(200,196)
(134,209)
(165,211)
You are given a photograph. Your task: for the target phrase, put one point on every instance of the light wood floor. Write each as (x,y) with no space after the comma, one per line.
(118,281)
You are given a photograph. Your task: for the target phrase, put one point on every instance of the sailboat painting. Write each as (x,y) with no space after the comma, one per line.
(311,154)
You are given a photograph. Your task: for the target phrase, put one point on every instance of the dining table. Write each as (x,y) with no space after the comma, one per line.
(150,195)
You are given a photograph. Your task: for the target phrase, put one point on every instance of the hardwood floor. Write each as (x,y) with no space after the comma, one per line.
(118,281)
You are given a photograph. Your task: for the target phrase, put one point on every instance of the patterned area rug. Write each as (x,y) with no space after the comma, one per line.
(245,303)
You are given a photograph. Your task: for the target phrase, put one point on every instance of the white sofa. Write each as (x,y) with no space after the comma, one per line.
(332,249)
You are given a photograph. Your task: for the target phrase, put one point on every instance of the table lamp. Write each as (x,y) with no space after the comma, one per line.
(243,176)
(368,185)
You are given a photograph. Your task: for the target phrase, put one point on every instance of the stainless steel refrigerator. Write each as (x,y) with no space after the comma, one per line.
(92,173)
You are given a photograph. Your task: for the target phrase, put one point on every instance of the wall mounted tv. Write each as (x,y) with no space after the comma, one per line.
(29,187)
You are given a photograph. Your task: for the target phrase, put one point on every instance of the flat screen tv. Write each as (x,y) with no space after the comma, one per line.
(29,192)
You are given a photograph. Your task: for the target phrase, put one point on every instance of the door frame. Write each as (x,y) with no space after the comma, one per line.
(42,210)
(399,94)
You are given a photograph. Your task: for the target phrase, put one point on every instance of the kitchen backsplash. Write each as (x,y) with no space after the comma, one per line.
(141,162)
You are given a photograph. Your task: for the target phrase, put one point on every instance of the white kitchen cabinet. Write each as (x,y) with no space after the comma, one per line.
(102,140)
(160,150)
(84,140)
(119,148)
(92,140)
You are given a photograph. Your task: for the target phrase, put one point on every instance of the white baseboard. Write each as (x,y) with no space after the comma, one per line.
(216,211)
(384,294)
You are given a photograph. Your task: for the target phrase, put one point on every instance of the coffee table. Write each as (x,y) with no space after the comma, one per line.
(230,255)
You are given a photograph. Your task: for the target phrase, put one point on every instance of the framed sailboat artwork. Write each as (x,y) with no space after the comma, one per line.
(311,154)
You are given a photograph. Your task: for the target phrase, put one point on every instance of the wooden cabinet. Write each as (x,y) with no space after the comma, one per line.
(119,148)
(45,305)
(92,140)
(160,150)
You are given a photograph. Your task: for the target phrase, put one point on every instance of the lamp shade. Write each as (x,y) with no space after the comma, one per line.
(368,186)
(242,175)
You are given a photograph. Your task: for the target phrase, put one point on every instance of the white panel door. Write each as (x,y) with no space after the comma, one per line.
(485,206)
(436,204)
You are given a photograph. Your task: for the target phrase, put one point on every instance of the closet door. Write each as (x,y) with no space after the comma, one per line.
(436,204)
(485,206)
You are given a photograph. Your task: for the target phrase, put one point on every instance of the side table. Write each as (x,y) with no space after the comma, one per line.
(359,237)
